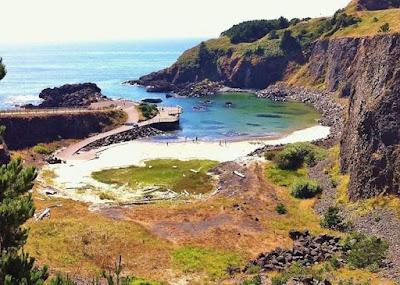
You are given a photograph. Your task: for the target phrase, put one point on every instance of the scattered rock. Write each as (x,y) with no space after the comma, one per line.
(307,250)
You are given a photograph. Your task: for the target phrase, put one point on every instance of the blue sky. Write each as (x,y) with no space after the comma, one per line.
(102,20)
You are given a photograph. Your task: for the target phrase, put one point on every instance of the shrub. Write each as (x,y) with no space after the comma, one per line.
(290,45)
(281,209)
(295,270)
(42,149)
(333,220)
(305,189)
(384,28)
(148,110)
(293,156)
(256,280)
(364,251)
(61,280)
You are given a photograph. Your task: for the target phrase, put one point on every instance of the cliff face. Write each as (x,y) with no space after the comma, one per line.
(234,72)
(367,70)
(27,131)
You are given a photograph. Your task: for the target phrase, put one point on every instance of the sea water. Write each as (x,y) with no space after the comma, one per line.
(31,68)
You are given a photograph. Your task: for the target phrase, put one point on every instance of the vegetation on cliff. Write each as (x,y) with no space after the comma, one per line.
(255,54)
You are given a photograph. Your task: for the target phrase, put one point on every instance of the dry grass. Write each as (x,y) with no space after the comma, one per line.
(369,26)
(166,240)
(74,235)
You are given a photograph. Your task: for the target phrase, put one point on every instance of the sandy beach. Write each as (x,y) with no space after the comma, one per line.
(76,174)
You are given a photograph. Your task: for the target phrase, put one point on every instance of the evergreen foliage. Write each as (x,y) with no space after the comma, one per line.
(250,31)
(16,207)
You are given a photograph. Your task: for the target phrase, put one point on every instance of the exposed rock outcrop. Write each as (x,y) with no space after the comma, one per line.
(71,95)
(367,71)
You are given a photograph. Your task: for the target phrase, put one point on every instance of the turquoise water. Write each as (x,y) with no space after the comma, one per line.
(33,68)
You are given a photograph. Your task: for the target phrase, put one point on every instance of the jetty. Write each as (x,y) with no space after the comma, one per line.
(165,117)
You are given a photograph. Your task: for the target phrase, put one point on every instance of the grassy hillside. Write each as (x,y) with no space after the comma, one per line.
(305,31)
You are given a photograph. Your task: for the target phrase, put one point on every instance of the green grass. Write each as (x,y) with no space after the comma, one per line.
(271,48)
(43,149)
(165,173)
(191,259)
(282,177)
(140,281)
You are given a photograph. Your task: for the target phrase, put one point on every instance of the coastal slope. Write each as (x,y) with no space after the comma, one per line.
(352,55)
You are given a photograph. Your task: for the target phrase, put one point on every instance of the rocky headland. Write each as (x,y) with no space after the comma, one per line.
(70,95)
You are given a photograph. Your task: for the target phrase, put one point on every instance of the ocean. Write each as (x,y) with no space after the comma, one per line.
(31,68)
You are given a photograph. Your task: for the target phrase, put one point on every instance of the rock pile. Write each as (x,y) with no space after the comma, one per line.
(307,250)
(333,113)
(135,133)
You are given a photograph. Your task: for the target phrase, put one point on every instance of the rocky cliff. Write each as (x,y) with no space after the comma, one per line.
(367,71)
(353,59)
(29,130)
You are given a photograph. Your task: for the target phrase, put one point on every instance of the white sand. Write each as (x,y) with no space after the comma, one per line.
(75,174)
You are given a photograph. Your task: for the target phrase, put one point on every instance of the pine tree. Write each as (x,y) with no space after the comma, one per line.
(16,207)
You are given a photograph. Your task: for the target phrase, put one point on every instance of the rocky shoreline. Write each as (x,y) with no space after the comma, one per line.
(324,102)
(135,133)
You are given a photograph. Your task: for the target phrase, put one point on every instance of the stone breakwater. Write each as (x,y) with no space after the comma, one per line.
(130,135)
(333,113)
(307,250)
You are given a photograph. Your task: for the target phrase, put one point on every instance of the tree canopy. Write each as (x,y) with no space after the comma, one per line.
(251,31)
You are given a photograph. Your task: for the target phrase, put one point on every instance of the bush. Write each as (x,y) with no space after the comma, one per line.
(364,251)
(42,149)
(305,189)
(253,281)
(293,156)
(333,220)
(384,28)
(61,280)
(295,270)
(281,209)
(148,110)
(290,45)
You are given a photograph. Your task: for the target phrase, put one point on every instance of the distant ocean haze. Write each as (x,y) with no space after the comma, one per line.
(33,68)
